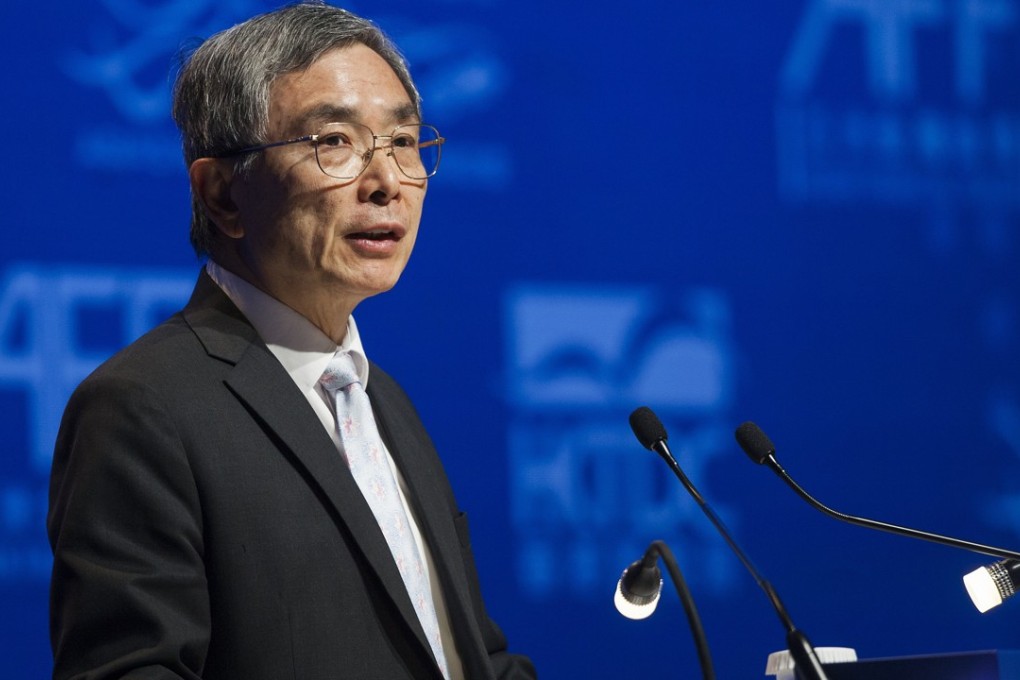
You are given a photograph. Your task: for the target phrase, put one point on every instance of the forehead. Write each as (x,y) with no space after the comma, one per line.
(348,83)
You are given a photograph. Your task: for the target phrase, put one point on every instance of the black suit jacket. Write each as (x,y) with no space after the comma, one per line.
(203,525)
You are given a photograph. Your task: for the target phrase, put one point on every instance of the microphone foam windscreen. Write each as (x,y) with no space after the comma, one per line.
(647,427)
(754,442)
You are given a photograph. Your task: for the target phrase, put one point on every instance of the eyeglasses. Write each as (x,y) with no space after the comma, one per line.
(344,150)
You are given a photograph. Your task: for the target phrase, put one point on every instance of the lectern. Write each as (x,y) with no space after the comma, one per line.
(986,665)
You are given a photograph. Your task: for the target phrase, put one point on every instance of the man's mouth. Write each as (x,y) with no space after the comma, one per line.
(387,233)
(373,236)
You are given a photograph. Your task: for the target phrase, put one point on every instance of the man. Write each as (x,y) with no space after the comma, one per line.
(221,505)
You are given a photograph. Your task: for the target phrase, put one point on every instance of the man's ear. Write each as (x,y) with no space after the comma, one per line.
(211,180)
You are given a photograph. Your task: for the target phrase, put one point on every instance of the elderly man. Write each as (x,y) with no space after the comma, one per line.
(241,493)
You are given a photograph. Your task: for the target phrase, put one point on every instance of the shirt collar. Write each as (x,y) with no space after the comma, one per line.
(302,348)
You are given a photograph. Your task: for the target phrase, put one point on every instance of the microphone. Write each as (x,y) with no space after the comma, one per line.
(637,595)
(990,586)
(1002,578)
(650,431)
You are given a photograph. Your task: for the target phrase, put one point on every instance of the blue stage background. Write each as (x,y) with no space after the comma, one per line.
(800,213)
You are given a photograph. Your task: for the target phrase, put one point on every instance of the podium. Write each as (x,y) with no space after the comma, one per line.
(984,665)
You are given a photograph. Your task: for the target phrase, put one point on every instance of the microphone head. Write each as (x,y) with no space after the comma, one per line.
(990,586)
(755,443)
(637,592)
(647,427)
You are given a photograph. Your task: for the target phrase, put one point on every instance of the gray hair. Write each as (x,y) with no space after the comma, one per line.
(221,95)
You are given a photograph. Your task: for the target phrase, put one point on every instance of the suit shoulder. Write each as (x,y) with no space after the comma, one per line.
(383,388)
(154,357)
(383,380)
(387,395)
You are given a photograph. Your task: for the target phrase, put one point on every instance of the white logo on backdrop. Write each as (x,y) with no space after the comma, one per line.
(42,317)
(129,58)
(583,491)
(896,142)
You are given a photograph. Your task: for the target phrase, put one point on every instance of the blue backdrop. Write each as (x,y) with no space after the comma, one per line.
(800,213)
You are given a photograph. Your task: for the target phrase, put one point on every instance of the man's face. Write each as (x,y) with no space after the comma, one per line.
(319,244)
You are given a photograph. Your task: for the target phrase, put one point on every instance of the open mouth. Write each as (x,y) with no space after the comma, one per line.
(387,232)
(374,236)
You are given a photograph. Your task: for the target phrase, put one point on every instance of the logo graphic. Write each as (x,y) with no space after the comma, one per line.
(583,491)
(899,128)
(130,65)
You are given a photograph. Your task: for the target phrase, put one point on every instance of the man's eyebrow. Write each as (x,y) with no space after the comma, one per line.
(325,113)
(331,113)
(405,113)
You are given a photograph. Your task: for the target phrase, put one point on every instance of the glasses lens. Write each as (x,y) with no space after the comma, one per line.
(343,149)
(416,148)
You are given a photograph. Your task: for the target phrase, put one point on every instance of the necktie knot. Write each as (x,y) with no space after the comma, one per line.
(339,373)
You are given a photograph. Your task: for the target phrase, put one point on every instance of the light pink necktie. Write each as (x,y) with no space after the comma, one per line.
(366,456)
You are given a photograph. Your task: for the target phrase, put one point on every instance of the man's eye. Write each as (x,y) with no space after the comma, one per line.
(405,141)
(334,139)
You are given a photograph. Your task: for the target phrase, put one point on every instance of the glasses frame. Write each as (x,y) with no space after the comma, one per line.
(366,157)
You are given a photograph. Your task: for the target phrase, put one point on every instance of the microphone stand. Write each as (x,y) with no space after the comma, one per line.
(808,665)
(652,435)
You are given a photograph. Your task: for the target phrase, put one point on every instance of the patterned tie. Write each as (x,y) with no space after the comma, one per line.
(363,448)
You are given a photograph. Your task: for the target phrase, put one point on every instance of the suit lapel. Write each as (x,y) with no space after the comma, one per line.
(267,391)
(419,464)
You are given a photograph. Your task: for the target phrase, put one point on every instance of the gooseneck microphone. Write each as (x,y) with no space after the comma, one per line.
(760,449)
(637,593)
(637,596)
(650,431)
